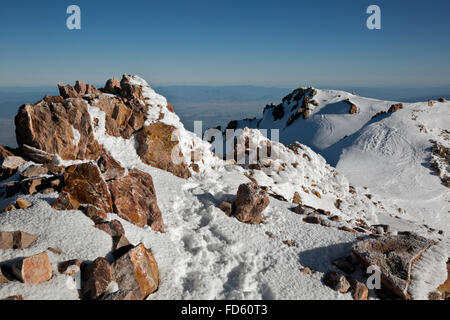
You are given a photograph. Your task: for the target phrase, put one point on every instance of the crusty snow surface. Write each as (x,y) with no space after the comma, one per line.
(204,254)
(389,155)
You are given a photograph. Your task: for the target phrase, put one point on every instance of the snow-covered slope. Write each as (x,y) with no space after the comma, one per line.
(390,153)
(203,253)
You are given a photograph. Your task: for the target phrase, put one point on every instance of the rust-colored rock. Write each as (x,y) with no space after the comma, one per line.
(226,207)
(395,256)
(84,185)
(67,91)
(395,107)
(117,116)
(297,199)
(70,268)
(442,100)
(306,270)
(23,204)
(56,128)
(360,291)
(4,153)
(95,214)
(157,148)
(110,168)
(33,270)
(112,86)
(250,202)
(3,278)
(313,219)
(16,240)
(134,198)
(13,298)
(9,207)
(98,275)
(137,271)
(336,282)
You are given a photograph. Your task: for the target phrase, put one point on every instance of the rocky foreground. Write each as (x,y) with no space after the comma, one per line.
(92,155)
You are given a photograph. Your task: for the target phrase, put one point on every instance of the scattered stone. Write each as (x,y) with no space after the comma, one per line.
(13,298)
(297,199)
(134,199)
(312,219)
(70,268)
(12,163)
(84,185)
(335,218)
(316,193)
(442,100)
(430,103)
(4,153)
(157,147)
(226,207)
(270,235)
(23,204)
(33,270)
(445,287)
(36,155)
(137,271)
(34,171)
(54,250)
(337,282)
(394,255)
(31,186)
(10,207)
(290,243)
(16,240)
(347,229)
(345,264)
(98,275)
(306,270)
(250,202)
(120,295)
(435,295)
(360,291)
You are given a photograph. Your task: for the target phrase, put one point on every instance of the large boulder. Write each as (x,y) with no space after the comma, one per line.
(394,256)
(137,272)
(250,202)
(159,148)
(134,199)
(58,128)
(33,270)
(97,276)
(84,184)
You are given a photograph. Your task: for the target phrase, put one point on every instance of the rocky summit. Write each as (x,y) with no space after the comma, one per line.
(109,197)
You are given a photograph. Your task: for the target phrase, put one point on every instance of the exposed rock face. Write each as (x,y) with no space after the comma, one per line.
(3,278)
(34,171)
(33,270)
(4,153)
(336,282)
(353,108)
(445,287)
(250,202)
(110,168)
(84,185)
(112,86)
(394,255)
(137,271)
(98,276)
(395,107)
(16,240)
(158,148)
(57,128)
(226,207)
(134,199)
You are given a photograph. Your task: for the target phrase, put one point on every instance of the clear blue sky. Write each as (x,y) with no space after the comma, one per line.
(273,43)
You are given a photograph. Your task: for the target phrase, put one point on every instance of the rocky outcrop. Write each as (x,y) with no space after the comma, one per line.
(58,128)
(395,107)
(33,270)
(159,148)
(250,202)
(84,185)
(395,256)
(134,199)
(109,167)
(137,272)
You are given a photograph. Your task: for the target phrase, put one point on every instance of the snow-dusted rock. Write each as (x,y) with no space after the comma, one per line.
(250,202)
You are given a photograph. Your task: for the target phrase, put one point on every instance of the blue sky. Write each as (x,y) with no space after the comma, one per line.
(271,43)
